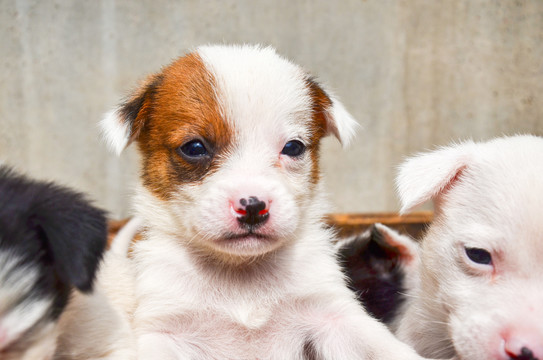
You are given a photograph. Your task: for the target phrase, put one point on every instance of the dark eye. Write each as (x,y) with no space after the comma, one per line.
(479,256)
(194,149)
(293,148)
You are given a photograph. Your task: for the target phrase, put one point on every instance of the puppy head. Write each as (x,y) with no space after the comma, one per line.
(229,138)
(380,264)
(50,240)
(482,259)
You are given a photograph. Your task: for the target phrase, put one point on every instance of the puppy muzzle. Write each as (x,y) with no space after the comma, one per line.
(251,212)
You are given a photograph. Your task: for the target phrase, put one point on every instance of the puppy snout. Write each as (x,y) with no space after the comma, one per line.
(251,211)
(524,354)
(523,348)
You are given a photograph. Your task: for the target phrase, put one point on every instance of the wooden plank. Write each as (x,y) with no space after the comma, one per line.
(348,224)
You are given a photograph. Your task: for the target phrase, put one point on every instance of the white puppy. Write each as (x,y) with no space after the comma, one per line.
(235,262)
(480,294)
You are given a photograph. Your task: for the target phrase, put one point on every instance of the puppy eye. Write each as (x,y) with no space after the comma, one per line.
(293,148)
(194,149)
(479,256)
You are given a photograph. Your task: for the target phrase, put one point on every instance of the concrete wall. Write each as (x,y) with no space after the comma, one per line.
(415,73)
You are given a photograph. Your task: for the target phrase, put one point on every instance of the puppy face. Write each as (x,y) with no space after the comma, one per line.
(229,138)
(50,240)
(482,258)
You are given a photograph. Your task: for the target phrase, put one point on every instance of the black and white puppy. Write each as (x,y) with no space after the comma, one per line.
(51,239)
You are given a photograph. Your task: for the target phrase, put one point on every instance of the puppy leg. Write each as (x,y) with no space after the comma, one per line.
(342,330)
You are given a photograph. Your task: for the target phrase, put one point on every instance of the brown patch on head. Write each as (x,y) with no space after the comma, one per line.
(173,108)
(319,125)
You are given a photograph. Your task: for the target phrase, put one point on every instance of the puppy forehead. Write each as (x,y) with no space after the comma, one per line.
(259,92)
(499,198)
(186,102)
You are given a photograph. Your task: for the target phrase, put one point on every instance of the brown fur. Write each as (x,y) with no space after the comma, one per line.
(319,126)
(180,102)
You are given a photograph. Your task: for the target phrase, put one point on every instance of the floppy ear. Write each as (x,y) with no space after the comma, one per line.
(427,175)
(407,249)
(73,232)
(122,125)
(337,119)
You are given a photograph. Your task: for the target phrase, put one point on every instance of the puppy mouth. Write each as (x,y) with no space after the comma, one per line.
(246,236)
(247,243)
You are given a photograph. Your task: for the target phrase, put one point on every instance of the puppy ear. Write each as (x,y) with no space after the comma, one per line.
(407,249)
(122,125)
(337,119)
(73,232)
(426,176)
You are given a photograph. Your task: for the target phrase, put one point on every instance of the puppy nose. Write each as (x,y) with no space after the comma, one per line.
(251,211)
(519,347)
(524,354)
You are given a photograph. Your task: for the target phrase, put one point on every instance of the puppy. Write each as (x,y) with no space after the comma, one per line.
(380,265)
(235,262)
(51,240)
(98,325)
(480,286)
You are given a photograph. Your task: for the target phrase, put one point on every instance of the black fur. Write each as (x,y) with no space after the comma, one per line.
(53,229)
(374,270)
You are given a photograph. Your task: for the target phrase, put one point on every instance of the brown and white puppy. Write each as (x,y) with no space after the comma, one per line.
(235,262)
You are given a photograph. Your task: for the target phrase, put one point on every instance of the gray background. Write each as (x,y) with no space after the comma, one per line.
(415,74)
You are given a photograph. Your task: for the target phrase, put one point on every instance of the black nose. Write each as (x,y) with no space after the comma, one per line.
(525,354)
(256,213)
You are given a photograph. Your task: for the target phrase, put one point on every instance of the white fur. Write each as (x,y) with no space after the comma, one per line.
(422,179)
(115,132)
(344,126)
(492,200)
(279,304)
(16,316)
(200,296)
(239,89)
(19,317)
(121,243)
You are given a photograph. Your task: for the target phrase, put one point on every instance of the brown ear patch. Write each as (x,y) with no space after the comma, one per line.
(319,126)
(133,111)
(181,108)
